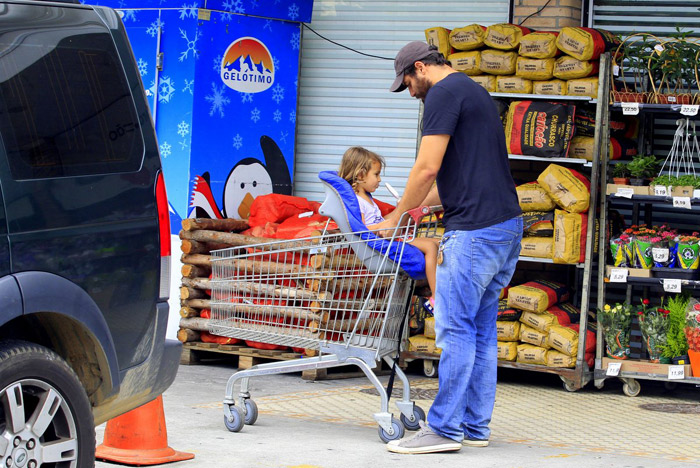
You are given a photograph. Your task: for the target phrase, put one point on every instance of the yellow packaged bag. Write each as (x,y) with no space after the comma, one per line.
(429,327)
(537,296)
(533,336)
(487,82)
(563,339)
(585,43)
(498,62)
(513,84)
(467,62)
(507,331)
(467,38)
(507,351)
(539,45)
(557,359)
(440,38)
(582,147)
(542,321)
(534,69)
(532,197)
(583,87)
(569,237)
(530,354)
(504,36)
(537,247)
(422,344)
(555,87)
(568,188)
(569,68)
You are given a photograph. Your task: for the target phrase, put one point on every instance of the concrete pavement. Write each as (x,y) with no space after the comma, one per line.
(328,424)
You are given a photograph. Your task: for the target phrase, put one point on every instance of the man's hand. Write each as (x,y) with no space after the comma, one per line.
(387,227)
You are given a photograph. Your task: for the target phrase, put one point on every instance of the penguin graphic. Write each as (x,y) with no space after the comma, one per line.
(248,179)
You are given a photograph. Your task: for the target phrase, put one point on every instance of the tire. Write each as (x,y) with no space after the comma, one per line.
(631,389)
(418,415)
(430,368)
(33,381)
(398,428)
(237,419)
(251,412)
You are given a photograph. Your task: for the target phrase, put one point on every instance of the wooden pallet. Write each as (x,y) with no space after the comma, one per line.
(197,352)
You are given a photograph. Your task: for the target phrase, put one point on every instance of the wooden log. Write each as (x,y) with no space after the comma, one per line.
(195,323)
(186,335)
(196,259)
(197,283)
(194,271)
(189,312)
(260,267)
(344,325)
(196,303)
(190,246)
(238,240)
(273,290)
(336,262)
(271,311)
(236,225)
(192,293)
(341,304)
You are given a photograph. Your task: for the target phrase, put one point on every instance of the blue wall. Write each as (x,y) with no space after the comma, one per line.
(207,125)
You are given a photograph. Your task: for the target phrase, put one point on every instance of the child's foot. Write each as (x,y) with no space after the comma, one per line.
(429,305)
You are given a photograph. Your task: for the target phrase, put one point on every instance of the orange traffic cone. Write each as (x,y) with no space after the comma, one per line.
(139,437)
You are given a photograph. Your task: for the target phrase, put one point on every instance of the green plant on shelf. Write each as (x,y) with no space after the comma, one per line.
(616,322)
(653,322)
(643,167)
(676,342)
(673,66)
(668,180)
(621,171)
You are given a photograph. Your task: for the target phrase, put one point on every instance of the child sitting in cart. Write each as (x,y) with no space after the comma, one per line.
(362,169)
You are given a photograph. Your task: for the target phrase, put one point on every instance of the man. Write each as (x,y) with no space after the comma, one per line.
(463,147)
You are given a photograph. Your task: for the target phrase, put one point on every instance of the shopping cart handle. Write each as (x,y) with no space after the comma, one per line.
(420,212)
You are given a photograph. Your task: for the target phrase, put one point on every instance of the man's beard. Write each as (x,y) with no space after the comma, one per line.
(422,86)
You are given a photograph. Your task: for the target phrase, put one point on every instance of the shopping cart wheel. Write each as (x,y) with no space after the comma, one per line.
(251,412)
(631,388)
(418,415)
(398,431)
(429,368)
(237,419)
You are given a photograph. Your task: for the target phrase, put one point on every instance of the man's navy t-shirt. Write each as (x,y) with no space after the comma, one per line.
(474,182)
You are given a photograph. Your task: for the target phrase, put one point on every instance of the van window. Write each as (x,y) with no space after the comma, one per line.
(65,105)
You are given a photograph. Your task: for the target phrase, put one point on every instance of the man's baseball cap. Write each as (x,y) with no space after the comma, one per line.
(407,56)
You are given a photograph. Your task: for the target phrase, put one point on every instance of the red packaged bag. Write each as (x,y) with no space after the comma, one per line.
(275,208)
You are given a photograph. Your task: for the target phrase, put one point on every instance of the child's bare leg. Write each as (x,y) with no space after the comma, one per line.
(429,247)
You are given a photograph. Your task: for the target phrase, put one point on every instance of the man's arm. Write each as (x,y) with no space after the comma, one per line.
(422,175)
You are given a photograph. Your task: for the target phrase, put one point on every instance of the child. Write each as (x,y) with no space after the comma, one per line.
(362,169)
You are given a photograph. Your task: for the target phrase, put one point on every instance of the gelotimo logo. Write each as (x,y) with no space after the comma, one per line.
(247,66)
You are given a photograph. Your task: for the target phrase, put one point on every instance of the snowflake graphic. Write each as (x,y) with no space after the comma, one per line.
(217,63)
(246,97)
(217,99)
(254,3)
(275,63)
(191,44)
(277,93)
(295,40)
(237,141)
(165,89)
(277,115)
(143,67)
(293,116)
(152,30)
(233,6)
(283,136)
(268,25)
(255,115)
(183,145)
(165,149)
(183,128)
(293,11)
(128,15)
(188,86)
(188,11)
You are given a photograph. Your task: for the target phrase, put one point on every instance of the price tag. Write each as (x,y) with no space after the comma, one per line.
(630,108)
(661,190)
(618,275)
(671,98)
(681,202)
(616,70)
(613,369)
(676,372)
(660,254)
(306,214)
(672,285)
(625,192)
(689,109)
(659,48)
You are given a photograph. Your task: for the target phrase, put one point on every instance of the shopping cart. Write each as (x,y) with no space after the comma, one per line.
(333,293)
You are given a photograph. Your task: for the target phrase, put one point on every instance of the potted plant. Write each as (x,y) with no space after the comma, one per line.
(616,322)
(678,186)
(630,63)
(689,251)
(676,347)
(621,174)
(692,335)
(653,323)
(642,168)
(672,70)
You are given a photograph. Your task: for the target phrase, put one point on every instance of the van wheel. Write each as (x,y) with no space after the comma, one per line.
(45,414)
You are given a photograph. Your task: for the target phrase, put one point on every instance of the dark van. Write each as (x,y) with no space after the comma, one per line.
(84,234)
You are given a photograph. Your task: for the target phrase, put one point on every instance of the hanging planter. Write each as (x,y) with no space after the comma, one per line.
(629,68)
(672,70)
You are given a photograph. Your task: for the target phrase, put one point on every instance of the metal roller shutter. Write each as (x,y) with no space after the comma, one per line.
(343,96)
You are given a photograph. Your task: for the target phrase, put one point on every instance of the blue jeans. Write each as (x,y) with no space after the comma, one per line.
(476,266)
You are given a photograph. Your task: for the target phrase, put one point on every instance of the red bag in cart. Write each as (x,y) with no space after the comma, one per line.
(541,129)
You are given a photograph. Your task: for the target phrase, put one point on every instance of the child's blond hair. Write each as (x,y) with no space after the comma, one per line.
(356,164)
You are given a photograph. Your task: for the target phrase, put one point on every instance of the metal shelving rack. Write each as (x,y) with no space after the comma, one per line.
(631,386)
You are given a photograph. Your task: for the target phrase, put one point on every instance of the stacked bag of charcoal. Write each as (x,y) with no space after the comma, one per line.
(555,219)
(536,325)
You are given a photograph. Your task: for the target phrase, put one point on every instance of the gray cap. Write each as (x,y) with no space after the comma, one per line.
(407,56)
